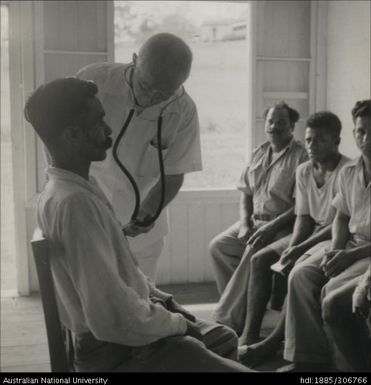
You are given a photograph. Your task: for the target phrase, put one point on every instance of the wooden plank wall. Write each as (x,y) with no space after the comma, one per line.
(195,217)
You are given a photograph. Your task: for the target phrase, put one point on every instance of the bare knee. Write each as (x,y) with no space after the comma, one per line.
(214,248)
(298,275)
(261,261)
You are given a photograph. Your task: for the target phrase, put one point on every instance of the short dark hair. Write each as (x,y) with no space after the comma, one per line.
(361,108)
(56,104)
(326,121)
(293,114)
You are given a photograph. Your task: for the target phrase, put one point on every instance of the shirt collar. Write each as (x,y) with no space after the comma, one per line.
(360,172)
(282,152)
(55,173)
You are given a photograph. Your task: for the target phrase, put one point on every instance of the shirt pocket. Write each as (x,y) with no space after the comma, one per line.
(149,165)
(281,182)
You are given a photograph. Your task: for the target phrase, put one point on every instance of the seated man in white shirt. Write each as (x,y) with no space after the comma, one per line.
(316,186)
(120,321)
(315,285)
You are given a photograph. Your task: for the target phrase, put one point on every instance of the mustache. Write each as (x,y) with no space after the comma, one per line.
(274,132)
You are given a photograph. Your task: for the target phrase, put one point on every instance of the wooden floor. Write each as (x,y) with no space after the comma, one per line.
(23,337)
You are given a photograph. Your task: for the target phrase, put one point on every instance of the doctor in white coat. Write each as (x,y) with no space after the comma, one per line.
(134,97)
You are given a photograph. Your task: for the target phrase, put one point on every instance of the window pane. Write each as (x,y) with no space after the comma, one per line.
(216,33)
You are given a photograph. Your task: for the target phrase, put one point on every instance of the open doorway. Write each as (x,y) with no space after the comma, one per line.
(8,262)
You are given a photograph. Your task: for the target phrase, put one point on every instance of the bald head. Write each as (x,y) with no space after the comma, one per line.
(166,59)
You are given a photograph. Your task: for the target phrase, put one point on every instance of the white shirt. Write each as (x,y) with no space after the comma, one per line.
(137,150)
(353,199)
(98,285)
(313,200)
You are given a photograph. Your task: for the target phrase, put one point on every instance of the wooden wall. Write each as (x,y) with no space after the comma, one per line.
(195,217)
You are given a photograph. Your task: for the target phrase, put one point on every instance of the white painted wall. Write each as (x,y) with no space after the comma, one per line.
(348,62)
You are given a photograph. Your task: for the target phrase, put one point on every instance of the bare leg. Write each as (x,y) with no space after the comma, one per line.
(258,294)
(254,355)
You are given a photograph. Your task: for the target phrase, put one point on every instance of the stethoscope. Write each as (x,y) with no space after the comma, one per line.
(134,216)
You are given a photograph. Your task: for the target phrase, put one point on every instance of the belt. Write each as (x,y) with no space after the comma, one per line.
(264,217)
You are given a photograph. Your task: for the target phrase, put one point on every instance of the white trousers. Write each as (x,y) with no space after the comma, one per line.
(308,293)
(148,258)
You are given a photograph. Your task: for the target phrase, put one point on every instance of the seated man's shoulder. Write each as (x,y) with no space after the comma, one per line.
(60,196)
(304,168)
(263,148)
(349,167)
(345,159)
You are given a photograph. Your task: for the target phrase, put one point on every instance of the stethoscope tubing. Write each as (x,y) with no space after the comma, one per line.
(134,216)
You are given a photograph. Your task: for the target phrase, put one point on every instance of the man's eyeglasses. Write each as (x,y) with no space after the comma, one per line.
(151,91)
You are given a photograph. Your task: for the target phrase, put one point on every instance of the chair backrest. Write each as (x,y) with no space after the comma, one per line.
(59,338)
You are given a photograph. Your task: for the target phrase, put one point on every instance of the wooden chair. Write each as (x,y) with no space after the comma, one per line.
(59,338)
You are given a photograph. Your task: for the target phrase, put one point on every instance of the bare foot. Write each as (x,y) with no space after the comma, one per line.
(256,354)
(249,340)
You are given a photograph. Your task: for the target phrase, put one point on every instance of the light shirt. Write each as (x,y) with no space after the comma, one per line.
(313,200)
(98,285)
(353,199)
(138,147)
(271,184)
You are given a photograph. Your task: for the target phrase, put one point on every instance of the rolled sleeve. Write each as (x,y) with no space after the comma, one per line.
(113,310)
(184,153)
(340,202)
(243,184)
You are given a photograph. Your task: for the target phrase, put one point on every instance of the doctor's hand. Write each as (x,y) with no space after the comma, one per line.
(136,227)
(133,229)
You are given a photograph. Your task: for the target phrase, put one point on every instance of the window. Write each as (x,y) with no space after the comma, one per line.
(216,33)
